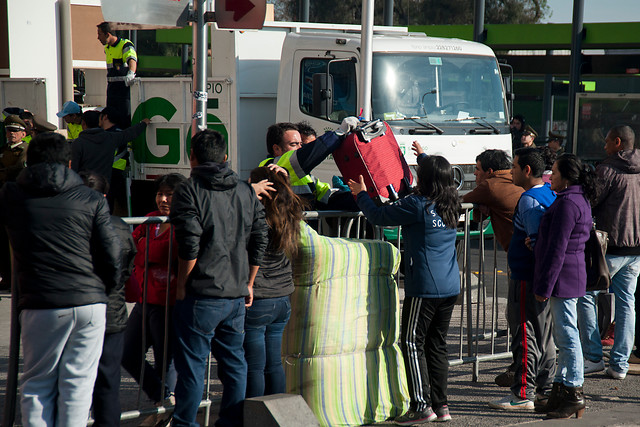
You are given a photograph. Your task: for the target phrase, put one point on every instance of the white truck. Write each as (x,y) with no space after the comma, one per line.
(447,94)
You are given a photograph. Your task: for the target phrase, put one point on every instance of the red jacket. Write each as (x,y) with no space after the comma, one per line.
(158,263)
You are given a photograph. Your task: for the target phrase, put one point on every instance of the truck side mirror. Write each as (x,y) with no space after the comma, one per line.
(322,93)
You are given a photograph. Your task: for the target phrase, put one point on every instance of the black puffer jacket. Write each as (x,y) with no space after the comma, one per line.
(218,220)
(116,307)
(62,237)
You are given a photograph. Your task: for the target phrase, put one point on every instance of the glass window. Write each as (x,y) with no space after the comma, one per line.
(344,91)
(442,87)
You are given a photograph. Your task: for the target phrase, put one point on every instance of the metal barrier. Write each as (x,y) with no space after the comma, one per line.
(483,327)
(476,329)
(337,224)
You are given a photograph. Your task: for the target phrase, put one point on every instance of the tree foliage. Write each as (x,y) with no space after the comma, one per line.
(417,12)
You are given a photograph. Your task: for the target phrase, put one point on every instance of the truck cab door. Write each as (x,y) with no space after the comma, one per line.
(323,87)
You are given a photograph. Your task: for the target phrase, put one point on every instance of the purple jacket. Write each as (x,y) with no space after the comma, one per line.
(559,252)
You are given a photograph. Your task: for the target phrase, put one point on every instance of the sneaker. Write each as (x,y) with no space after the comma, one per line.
(590,366)
(615,374)
(411,417)
(633,359)
(443,414)
(505,379)
(512,403)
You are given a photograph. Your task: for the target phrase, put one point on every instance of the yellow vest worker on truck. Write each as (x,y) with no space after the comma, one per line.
(122,63)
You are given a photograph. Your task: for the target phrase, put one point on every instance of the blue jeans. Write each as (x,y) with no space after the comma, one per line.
(263,327)
(570,369)
(61,350)
(588,326)
(624,275)
(205,325)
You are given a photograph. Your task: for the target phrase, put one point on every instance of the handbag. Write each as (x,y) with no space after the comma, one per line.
(598,276)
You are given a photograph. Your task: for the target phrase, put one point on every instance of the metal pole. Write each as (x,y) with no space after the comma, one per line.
(547,103)
(133,36)
(304,11)
(478,21)
(366,64)
(199,106)
(574,71)
(66,60)
(388,13)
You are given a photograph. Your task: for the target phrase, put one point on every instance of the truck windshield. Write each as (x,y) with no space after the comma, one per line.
(441,87)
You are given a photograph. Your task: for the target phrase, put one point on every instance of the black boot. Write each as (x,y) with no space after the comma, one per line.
(555,397)
(573,403)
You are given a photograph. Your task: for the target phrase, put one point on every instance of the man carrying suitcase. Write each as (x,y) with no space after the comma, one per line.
(285,148)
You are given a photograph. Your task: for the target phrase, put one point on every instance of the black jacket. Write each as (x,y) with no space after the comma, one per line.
(62,238)
(116,307)
(219,220)
(94,149)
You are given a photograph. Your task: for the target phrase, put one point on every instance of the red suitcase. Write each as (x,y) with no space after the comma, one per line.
(373,152)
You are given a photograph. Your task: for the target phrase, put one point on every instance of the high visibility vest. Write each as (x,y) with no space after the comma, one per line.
(119,162)
(73,130)
(117,58)
(306,186)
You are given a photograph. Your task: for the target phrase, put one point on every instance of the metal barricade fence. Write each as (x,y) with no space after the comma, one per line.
(478,330)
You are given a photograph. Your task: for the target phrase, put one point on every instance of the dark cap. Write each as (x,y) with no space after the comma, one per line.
(14,122)
(553,136)
(528,130)
(41,125)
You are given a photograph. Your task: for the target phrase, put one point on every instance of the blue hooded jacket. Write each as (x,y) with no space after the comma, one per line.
(431,268)
(526,220)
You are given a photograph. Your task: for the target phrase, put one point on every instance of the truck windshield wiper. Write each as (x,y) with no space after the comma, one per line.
(484,123)
(427,127)
(425,124)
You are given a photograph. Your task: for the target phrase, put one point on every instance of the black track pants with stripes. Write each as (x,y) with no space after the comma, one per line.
(425,322)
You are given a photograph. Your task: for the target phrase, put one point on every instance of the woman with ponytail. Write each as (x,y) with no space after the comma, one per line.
(429,218)
(561,276)
(269,313)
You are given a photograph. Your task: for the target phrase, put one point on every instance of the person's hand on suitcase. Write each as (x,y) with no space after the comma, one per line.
(357,187)
(417,148)
(349,124)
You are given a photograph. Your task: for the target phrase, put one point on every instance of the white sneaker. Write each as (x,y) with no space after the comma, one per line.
(512,403)
(590,366)
(615,374)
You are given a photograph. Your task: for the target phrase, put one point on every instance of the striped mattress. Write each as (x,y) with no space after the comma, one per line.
(340,347)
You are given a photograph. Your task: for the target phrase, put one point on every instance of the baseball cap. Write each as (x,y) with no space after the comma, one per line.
(15,123)
(69,107)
